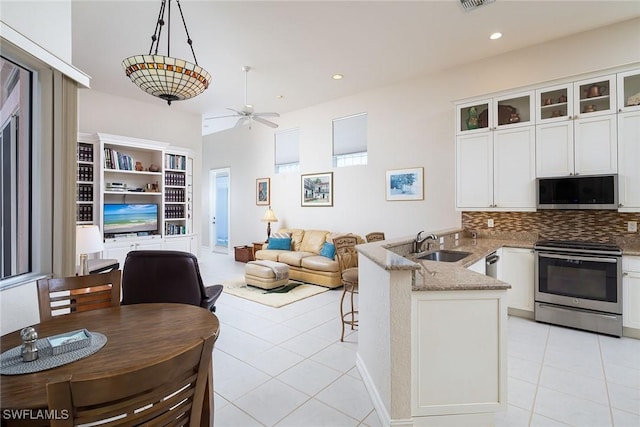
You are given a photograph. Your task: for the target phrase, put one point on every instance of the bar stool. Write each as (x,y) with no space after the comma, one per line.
(375,236)
(347,256)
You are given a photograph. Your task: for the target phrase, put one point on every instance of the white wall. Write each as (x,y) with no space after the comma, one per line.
(410,124)
(105,113)
(47,23)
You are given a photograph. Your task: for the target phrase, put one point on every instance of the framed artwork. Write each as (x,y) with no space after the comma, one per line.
(405,184)
(263,189)
(317,189)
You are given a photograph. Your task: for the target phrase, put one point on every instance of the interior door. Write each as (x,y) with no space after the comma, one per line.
(219,195)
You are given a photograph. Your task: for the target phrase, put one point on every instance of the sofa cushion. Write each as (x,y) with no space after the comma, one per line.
(296,236)
(269,254)
(293,258)
(328,250)
(320,263)
(313,240)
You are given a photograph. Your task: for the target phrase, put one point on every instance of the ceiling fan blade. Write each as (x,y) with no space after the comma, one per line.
(221,117)
(242,121)
(265,122)
(236,111)
(267,114)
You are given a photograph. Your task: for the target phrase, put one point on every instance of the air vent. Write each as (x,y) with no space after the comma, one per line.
(473,4)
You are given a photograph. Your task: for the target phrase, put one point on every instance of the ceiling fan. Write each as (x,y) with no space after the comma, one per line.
(246,114)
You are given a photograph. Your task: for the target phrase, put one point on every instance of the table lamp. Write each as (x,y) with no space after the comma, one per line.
(269,217)
(88,241)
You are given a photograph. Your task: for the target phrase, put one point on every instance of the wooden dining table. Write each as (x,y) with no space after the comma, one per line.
(138,335)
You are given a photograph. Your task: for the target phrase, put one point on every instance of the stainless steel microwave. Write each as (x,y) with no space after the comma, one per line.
(578,192)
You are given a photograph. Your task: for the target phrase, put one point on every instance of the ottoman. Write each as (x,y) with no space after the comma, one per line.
(266,274)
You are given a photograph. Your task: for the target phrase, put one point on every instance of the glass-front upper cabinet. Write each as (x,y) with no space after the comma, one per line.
(554,103)
(595,97)
(473,116)
(629,91)
(513,110)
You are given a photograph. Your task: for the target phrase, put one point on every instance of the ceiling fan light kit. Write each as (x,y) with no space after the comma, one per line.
(170,79)
(246,114)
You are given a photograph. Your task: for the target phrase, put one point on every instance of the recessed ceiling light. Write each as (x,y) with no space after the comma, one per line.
(495,36)
(279,96)
(337,76)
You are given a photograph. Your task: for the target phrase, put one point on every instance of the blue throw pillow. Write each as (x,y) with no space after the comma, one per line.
(328,250)
(283,244)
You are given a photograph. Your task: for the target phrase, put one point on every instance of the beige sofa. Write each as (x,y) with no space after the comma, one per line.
(305,263)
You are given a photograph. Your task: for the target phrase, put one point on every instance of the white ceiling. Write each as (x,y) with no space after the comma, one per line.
(294,47)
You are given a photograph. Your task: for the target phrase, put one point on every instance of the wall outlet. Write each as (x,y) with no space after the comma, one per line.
(632,226)
(456,236)
(441,240)
(490,223)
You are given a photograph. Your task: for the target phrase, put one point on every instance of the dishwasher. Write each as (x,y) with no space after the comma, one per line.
(492,265)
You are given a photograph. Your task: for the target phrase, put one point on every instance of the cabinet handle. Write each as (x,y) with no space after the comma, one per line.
(625,273)
(620,110)
(620,205)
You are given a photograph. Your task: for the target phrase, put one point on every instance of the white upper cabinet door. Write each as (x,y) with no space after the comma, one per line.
(596,145)
(629,160)
(629,91)
(474,170)
(595,96)
(513,110)
(554,104)
(554,149)
(514,168)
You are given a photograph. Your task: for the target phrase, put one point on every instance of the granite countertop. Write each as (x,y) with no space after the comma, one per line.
(442,276)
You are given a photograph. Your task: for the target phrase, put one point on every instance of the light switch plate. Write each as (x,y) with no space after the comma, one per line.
(490,223)
(632,226)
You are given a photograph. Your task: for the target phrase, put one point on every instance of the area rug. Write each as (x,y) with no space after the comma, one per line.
(279,297)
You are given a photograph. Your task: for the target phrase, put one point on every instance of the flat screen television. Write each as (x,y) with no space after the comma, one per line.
(130,218)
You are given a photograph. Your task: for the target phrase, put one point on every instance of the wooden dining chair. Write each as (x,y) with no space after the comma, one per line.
(347,256)
(78,293)
(169,392)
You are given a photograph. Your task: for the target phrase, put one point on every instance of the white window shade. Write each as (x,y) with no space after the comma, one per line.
(350,134)
(287,146)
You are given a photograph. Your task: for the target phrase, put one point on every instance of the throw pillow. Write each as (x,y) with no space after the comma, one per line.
(283,244)
(328,250)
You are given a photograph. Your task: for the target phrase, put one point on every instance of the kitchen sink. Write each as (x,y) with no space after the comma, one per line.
(445,256)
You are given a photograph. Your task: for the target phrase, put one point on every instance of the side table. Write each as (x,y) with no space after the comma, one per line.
(256,247)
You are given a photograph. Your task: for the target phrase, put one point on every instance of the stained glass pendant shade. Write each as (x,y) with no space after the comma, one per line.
(168,78)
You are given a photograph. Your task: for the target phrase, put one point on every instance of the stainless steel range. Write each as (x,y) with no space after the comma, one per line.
(579,284)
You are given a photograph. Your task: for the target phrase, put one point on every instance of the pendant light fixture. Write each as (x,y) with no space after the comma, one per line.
(171,79)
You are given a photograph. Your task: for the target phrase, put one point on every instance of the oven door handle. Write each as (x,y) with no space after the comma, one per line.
(578,258)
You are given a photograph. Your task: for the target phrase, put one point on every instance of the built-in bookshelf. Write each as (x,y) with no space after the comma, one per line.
(175,194)
(85,183)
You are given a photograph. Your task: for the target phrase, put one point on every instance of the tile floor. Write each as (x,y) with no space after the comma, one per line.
(287,367)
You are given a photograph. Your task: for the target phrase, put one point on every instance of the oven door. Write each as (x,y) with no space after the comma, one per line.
(579,281)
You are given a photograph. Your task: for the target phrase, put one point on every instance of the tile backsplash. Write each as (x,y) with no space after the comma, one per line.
(592,225)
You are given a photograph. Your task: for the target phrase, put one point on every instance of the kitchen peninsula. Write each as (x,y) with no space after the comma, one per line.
(432,337)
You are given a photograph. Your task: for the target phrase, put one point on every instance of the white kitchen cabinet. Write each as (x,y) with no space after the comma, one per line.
(495,170)
(628,161)
(474,170)
(584,146)
(629,91)
(576,128)
(517,269)
(631,292)
(501,112)
(187,243)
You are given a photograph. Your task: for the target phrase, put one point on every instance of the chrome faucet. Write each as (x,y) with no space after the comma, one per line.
(417,243)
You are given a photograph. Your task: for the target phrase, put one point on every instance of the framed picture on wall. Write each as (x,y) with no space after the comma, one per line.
(317,189)
(263,190)
(405,184)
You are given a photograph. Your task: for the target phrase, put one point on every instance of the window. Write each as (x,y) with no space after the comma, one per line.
(15,177)
(287,151)
(350,140)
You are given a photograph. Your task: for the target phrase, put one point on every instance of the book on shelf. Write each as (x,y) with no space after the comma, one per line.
(117,161)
